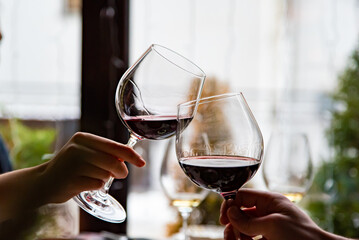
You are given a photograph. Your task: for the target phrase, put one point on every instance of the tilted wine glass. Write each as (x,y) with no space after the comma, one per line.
(183,194)
(288,167)
(146,100)
(222,147)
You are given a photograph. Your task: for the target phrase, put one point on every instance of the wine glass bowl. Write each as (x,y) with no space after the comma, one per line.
(288,167)
(221,148)
(149,92)
(146,101)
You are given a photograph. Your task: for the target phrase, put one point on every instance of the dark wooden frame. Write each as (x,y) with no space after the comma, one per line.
(104,59)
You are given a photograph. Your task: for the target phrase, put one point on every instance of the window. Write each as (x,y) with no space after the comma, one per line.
(40,59)
(283,55)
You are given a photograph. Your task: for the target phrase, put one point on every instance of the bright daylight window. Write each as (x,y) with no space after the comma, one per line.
(40,59)
(285,56)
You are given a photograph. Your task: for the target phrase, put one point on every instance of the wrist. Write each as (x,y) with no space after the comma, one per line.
(331,236)
(35,194)
(20,192)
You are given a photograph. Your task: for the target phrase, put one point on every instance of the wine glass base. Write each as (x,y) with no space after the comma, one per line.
(108,209)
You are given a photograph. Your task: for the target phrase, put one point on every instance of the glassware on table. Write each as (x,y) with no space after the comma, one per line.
(146,100)
(221,148)
(183,194)
(288,167)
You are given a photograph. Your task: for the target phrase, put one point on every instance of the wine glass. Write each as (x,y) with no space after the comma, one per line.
(222,147)
(183,194)
(146,101)
(288,167)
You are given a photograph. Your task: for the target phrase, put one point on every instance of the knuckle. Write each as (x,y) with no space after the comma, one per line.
(78,136)
(277,219)
(279,199)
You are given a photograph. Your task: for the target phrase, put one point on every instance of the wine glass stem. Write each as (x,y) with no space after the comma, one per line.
(104,191)
(132,140)
(185,215)
(229,195)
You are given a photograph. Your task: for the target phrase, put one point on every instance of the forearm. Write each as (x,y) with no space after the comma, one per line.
(20,191)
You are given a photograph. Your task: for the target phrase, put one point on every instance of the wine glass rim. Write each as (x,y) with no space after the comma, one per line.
(155,47)
(210,99)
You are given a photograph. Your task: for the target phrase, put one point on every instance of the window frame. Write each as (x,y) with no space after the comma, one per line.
(105,53)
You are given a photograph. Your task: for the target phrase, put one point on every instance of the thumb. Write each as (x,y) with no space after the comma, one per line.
(245,223)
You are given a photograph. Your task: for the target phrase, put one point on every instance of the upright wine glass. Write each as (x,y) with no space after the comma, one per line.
(183,194)
(288,167)
(222,147)
(146,100)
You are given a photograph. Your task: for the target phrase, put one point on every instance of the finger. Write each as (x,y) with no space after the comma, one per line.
(66,190)
(119,150)
(223,219)
(86,184)
(243,236)
(92,171)
(108,163)
(121,171)
(248,225)
(229,233)
(251,211)
(265,202)
(236,233)
(83,156)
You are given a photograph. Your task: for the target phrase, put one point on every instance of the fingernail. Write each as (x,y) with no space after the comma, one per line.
(234,212)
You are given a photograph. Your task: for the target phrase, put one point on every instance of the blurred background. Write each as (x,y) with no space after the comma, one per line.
(294,60)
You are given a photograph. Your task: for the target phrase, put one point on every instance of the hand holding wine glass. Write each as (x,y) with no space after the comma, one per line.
(221,148)
(269,215)
(146,101)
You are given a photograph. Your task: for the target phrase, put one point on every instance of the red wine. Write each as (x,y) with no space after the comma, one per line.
(220,173)
(153,127)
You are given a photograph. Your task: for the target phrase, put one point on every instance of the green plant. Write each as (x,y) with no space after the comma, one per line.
(27,145)
(339,177)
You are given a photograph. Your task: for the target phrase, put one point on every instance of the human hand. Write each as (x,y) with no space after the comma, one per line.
(271,215)
(85,162)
